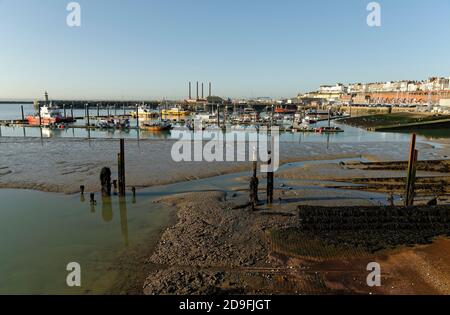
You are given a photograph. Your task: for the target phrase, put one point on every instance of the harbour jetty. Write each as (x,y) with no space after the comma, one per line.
(398,121)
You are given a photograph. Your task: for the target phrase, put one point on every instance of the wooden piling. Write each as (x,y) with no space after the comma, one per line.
(270,180)
(329,117)
(92,198)
(98,112)
(121,168)
(411,173)
(87,115)
(40,117)
(254,182)
(105,181)
(137,118)
(218,116)
(71,111)
(23,116)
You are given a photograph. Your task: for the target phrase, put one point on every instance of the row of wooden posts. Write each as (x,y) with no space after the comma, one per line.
(409,190)
(105,177)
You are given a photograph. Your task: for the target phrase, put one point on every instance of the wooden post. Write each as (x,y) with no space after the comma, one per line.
(23,116)
(121,167)
(119,173)
(224,116)
(71,110)
(218,116)
(137,118)
(40,118)
(114,182)
(87,114)
(105,180)
(411,173)
(254,182)
(98,112)
(64,109)
(329,117)
(270,180)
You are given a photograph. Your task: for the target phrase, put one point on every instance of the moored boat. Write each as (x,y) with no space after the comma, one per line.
(329,129)
(144,113)
(155,126)
(49,115)
(174,111)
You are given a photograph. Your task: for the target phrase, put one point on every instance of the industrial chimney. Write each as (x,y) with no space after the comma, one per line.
(197,90)
(209,89)
(190,96)
(202,90)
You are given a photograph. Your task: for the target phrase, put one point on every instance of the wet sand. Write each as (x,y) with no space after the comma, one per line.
(62,165)
(219,248)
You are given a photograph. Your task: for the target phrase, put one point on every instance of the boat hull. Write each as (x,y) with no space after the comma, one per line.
(34,120)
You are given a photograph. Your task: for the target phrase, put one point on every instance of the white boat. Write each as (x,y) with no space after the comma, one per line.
(309,120)
(144,113)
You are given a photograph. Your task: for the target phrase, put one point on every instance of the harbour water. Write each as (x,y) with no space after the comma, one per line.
(351,134)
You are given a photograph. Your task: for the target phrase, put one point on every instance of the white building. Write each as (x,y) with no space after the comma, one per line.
(333,89)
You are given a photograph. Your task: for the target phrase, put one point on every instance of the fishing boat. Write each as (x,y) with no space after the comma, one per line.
(206,118)
(144,113)
(175,111)
(111,123)
(309,120)
(328,130)
(249,116)
(155,126)
(49,115)
(280,110)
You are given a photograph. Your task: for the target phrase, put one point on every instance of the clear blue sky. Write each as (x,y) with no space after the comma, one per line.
(147,49)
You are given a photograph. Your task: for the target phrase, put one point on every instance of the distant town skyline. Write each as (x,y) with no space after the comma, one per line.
(151,50)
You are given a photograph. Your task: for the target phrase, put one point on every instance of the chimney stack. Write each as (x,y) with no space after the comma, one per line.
(202,90)
(197,90)
(190,96)
(209,89)
(46,98)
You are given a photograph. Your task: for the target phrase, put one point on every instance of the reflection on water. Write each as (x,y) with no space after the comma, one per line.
(40,233)
(123,219)
(350,134)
